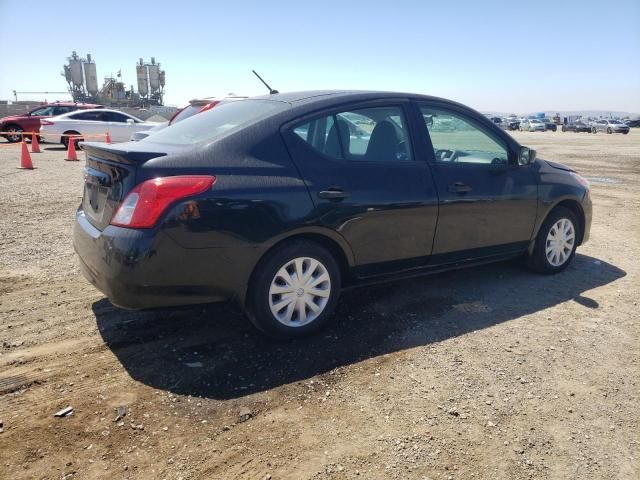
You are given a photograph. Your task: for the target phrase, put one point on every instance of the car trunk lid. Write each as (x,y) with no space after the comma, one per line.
(109,174)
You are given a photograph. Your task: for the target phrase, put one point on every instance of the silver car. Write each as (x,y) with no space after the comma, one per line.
(609,126)
(532,125)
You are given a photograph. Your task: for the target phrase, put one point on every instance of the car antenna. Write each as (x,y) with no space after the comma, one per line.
(271,90)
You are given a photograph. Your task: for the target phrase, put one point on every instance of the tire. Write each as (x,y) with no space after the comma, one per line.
(17,137)
(594,130)
(564,129)
(277,271)
(65,140)
(545,259)
(609,131)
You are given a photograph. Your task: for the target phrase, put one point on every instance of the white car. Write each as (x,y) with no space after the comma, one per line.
(92,125)
(532,125)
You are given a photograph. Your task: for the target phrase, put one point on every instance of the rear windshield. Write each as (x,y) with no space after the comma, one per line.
(216,122)
(187,112)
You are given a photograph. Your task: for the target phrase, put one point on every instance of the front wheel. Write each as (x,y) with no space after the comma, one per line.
(594,130)
(556,242)
(609,131)
(14,134)
(294,290)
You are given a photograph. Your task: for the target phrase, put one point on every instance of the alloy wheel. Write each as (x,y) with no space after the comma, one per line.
(299,292)
(560,242)
(15,134)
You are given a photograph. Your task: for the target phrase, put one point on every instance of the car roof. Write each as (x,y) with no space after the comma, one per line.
(75,112)
(296,98)
(69,104)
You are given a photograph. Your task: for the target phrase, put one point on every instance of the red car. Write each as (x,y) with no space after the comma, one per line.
(30,121)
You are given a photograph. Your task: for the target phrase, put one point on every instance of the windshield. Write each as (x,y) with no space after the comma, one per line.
(216,122)
(614,122)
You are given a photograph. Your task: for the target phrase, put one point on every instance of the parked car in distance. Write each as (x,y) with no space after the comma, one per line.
(195,106)
(549,124)
(532,125)
(633,123)
(577,126)
(609,126)
(30,121)
(499,122)
(513,123)
(275,203)
(83,124)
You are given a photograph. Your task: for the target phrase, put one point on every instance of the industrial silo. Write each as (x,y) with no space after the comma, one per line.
(90,76)
(143,83)
(154,75)
(75,69)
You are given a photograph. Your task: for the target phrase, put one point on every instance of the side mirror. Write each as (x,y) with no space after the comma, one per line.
(130,121)
(527,156)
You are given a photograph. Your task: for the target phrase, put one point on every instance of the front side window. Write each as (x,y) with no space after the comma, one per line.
(41,112)
(456,139)
(377,134)
(114,117)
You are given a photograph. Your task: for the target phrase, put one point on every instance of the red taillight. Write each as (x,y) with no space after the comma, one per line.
(146,202)
(46,122)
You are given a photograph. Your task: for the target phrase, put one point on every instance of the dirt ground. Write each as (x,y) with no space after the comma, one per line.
(485,373)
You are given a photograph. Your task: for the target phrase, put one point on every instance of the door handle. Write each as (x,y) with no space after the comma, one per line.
(459,187)
(333,193)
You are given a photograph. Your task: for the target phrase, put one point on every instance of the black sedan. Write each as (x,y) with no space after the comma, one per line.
(576,127)
(278,203)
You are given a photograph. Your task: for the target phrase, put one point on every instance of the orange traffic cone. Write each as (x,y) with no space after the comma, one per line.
(108,139)
(35,146)
(71,152)
(25,158)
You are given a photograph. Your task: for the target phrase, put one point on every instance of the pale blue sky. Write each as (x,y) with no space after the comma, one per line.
(492,55)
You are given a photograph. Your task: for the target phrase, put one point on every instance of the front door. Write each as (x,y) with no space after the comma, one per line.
(367,184)
(488,201)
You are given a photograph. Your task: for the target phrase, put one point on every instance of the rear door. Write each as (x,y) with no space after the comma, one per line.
(488,202)
(367,182)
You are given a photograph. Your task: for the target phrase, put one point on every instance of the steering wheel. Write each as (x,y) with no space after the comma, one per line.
(446,155)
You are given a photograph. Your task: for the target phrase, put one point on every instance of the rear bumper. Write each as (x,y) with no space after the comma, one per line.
(140,269)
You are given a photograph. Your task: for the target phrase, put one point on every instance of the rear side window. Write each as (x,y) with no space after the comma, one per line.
(377,134)
(216,122)
(61,110)
(90,115)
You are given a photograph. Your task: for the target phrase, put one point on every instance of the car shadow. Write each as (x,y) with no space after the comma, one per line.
(211,351)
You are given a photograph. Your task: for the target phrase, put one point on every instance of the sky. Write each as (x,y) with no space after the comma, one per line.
(491,55)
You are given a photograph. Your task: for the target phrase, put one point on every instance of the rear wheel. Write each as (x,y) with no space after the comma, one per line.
(564,129)
(609,131)
(294,290)
(594,130)
(15,133)
(556,242)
